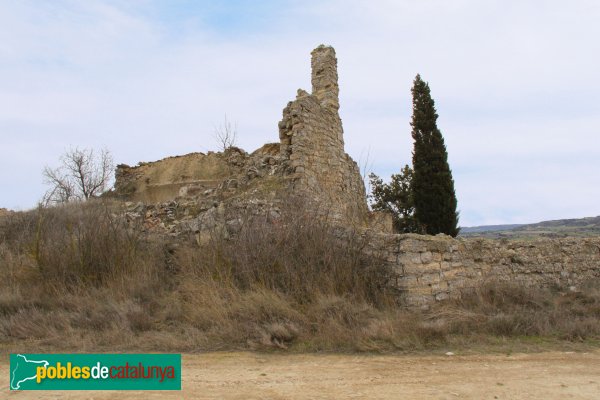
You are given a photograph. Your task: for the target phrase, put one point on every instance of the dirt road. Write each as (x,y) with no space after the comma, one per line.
(245,376)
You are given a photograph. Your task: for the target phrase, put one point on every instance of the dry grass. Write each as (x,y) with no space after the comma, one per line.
(79,278)
(502,309)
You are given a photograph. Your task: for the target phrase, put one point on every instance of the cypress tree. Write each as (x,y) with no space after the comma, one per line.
(432,185)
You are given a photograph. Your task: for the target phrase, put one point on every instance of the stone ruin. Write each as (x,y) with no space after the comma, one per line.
(312,145)
(309,163)
(193,193)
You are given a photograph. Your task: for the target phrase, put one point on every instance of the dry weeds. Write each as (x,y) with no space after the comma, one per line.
(80,278)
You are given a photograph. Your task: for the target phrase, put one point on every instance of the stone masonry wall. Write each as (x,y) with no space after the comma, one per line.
(434,268)
(310,159)
(312,146)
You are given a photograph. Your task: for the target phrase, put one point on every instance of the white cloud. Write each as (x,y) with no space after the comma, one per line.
(515,84)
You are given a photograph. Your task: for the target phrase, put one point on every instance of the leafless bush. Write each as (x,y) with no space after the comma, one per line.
(83,174)
(226,134)
(79,243)
(296,254)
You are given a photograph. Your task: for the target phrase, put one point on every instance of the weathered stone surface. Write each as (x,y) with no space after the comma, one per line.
(308,163)
(195,174)
(548,262)
(325,77)
(312,146)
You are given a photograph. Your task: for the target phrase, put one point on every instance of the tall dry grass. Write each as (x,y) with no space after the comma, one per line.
(80,277)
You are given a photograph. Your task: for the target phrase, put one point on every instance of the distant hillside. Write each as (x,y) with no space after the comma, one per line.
(487,228)
(589,226)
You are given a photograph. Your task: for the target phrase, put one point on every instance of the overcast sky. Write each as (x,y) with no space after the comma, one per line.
(516,85)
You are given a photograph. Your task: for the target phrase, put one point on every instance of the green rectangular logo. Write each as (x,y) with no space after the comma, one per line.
(95,371)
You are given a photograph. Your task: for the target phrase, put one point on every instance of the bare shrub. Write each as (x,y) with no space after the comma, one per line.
(17,229)
(84,243)
(82,174)
(225,135)
(296,254)
(78,243)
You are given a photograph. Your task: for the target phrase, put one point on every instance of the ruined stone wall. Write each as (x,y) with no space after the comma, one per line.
(312,146)
(435,268)
(310,160)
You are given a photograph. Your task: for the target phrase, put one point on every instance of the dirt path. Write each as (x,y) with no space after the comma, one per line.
(261,376)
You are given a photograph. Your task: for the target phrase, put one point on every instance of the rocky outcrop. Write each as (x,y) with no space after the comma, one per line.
(192,174)
(253,184)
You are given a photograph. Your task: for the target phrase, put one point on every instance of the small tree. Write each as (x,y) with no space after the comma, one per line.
(83,174)
(226,135)
(396,197)
(432,186)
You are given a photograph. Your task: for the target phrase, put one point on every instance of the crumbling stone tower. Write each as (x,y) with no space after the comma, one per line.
(312,146)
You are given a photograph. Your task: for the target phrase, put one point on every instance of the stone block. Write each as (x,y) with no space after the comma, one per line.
(426,257)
